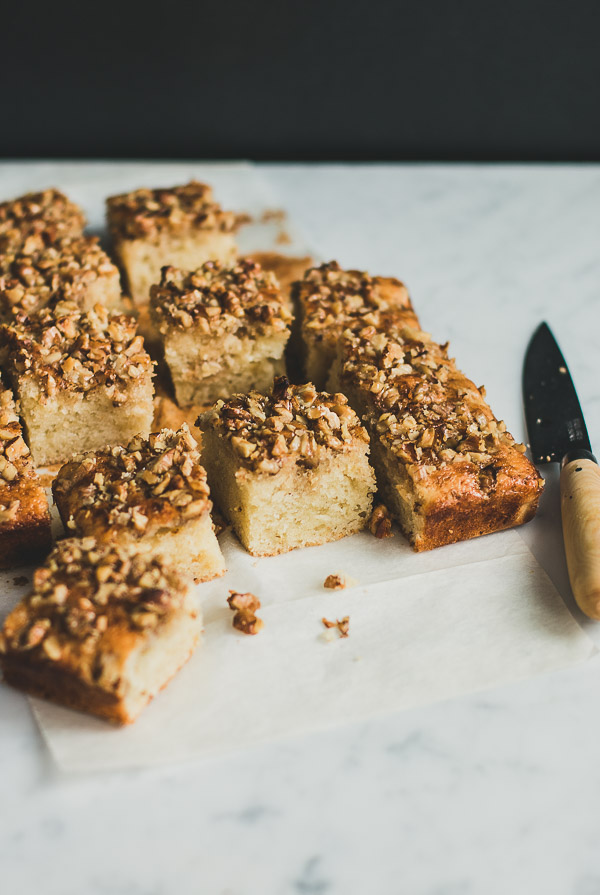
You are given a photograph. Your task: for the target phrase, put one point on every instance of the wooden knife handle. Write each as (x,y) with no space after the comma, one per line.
(580,510)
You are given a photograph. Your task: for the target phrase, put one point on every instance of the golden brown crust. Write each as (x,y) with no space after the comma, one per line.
(24,514)
(465,472)
(331,300)
(146,213)
(292,424)
(215,299)
(65,348)
(30,280)
(37,220)
(90,607)
(152,484)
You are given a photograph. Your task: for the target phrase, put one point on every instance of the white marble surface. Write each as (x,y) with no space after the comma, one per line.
(486,794)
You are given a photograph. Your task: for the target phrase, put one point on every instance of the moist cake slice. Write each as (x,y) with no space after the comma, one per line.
(103,630)
(38,219)
(224,329)
(329,300)
(446,467)
(82,379)
(75,269)
(182,226)
(288,469)
(152,493)
(24,514)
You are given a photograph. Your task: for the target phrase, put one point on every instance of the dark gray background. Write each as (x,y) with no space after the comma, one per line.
(362,79)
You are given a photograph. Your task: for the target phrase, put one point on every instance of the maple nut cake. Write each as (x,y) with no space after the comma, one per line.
(224,329)
(24,514)
(75,269)
(82,379)
(38,219)
(446,467)
(329,300)
(103,629)
(182,226)
(152,493)
(289,469)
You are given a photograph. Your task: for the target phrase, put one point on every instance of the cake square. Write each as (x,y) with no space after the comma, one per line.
(152,493)
(289,469)
(103,630)
(182,226)
(74,269)
(82,378)
(446,467)
(38,219)
(329,300)
(224,329)
(24,514)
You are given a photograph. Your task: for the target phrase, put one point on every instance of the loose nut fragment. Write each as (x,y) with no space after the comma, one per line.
(338,581)
(343,625)
(380,522)
(245,606)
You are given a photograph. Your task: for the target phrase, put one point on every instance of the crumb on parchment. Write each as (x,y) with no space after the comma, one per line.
(342,625)
(245,605)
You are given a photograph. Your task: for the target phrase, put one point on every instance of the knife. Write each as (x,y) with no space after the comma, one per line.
(558,434)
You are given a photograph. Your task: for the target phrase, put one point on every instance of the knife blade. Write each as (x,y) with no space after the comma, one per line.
(557,433)
(552,410)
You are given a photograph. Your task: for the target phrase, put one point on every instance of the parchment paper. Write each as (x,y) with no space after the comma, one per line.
(423,627)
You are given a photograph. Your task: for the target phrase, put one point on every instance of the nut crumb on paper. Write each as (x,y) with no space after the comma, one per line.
(245,605)
(342,625)
(380,522)
(338,581)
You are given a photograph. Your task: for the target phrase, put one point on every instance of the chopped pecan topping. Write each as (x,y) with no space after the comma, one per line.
(294,421)
(15,460)
(420,405)
(152,483)
(144,213)
(85,589)
(65,348)
(30,280)
(333,300)
(380,522)
(245,606)
(38,219)
(215,299)
(342,624)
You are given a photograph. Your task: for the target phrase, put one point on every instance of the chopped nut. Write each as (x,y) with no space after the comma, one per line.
(247,622)
(246,601)
(336,582)
(380,522)
(343,625)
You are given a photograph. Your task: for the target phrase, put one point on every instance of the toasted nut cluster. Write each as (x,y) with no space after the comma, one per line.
(421,405)
(342,624)
(84,590)
(333,299)
(38,219)
(380,522)
(30,280)
(144,214)
(15,462)
(294,422)
(153,483)
(65,348)
(245,606)
(215,299)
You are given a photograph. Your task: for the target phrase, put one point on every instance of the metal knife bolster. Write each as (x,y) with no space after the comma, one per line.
(577,454)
